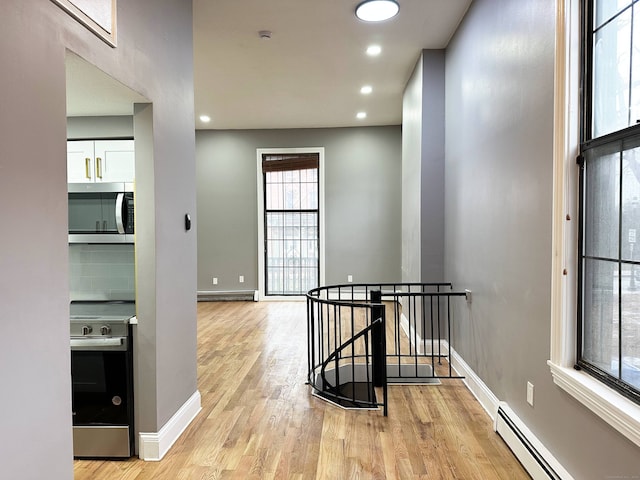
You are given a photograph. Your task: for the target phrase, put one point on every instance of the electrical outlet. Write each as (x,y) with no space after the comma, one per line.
(350,278)
(241,278)
(215,280)
(530,393)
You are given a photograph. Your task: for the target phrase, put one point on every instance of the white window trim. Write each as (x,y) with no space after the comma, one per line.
(615,409)
(271,151)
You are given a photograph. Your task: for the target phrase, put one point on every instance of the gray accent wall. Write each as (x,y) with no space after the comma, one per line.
(34,269)
(362,202)
(423,170)
(432,167)
(499,134)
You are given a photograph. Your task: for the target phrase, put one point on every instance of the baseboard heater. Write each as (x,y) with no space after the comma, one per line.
(228,296)
(533,456)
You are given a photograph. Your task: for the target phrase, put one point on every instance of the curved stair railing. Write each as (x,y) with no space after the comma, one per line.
(346,350)
(338,391)
(355,350)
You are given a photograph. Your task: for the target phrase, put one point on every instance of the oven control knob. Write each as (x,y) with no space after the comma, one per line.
(86,329)
(105,330)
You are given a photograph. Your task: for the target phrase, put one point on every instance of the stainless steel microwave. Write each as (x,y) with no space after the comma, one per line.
(101,212)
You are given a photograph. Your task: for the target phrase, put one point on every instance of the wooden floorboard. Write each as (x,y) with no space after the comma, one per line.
(260,421)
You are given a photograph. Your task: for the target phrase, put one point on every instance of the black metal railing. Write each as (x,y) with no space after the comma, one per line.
(356,348)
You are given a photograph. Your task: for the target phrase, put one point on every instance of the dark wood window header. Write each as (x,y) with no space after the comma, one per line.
(296,161)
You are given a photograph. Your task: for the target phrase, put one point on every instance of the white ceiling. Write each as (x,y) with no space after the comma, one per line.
(308,74)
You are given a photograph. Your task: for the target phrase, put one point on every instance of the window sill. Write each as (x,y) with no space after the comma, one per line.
(618,411)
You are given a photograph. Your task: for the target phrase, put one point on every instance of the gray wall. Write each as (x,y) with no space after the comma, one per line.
(499,133)
(432,167)
(362,202)
(423,170)
(34,278)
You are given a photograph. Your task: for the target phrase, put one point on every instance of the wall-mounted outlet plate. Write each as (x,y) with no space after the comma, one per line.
(350,278)
(241,278)
(215,280)
(530,393)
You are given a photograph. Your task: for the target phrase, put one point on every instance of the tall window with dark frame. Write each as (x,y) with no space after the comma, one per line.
(291,223)
(609,239)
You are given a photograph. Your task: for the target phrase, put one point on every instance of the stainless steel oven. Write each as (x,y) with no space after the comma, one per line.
(102,379)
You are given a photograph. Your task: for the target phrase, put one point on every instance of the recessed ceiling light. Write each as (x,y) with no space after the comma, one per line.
(366,90)
(374,50)
(377,10)
(361,115)
(205,118)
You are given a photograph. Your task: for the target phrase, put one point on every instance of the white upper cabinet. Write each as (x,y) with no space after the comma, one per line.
(80,161)
(91,161)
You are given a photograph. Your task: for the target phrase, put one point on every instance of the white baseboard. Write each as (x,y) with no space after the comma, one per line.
(153,446)
(477,387)
(530,452)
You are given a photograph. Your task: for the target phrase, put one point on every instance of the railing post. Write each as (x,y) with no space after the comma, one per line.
(378,360)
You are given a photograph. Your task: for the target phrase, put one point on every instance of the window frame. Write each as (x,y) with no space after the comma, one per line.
(614,408)
(293,163)
(618,141)
(261,212)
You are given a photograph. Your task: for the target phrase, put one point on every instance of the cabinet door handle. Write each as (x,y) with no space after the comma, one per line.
(87,170)
(99,167)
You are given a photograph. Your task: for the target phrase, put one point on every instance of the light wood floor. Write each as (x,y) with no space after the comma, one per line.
(259,420)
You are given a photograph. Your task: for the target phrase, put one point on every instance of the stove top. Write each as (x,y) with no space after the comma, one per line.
(101,311)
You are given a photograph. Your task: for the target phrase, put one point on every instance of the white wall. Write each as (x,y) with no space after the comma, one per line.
(411,175)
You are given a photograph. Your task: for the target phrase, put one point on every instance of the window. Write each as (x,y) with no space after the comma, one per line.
(290,187)
(618,410)
(291,223)
(608,340)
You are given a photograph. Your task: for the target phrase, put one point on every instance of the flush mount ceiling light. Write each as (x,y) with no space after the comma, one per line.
(374,50)
(377,10)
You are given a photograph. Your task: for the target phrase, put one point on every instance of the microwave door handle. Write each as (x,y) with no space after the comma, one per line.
(119,208)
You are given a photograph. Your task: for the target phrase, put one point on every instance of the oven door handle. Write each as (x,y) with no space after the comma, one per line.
(111,343)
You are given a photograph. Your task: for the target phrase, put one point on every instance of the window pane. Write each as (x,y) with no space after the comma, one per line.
(601,204)
(631,205)
(635,68)
(600,314)
(611,71)
(605,9)
(631,327)
(292,252)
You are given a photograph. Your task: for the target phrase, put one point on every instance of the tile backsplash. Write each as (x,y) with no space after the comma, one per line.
(101,272)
